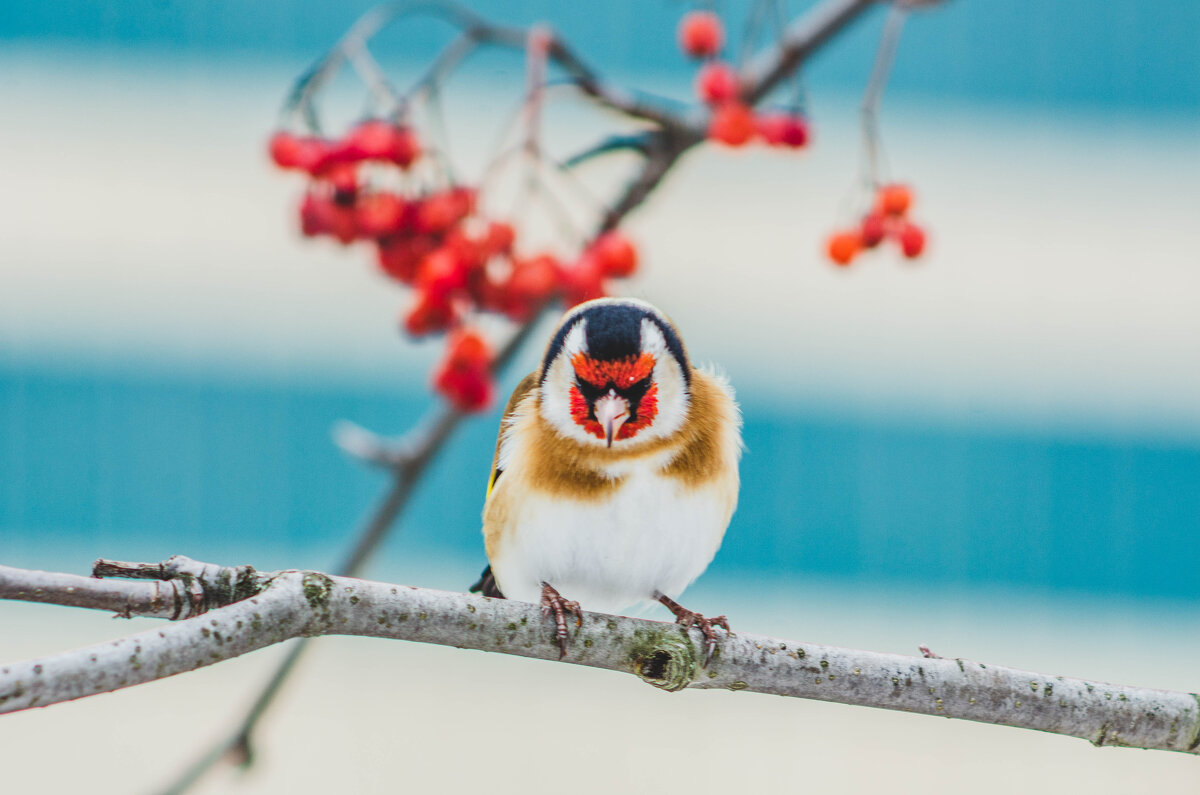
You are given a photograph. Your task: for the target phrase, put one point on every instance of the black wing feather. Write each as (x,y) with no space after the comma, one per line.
(487,585)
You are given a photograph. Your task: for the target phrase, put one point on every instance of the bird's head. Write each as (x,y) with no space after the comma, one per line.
(615,374)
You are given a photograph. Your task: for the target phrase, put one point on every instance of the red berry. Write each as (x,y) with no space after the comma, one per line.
(616,256)
(701,34)
(399,257)
(893,199)
(321,215)
(285,149)
(732,124)
(464,376)
(872,230)
(469,250)
(431,313)
(484,292)
(440,211)
(435,214)
(379,214)
(912,240)
(716,82)
(468,348)
(582,281)
(532,283)
(405,148)
(379,140)
(466,388)
(441,273)
(499,239)
(783,129)
(313,219)
(843,246)
(342,176)
(302,153)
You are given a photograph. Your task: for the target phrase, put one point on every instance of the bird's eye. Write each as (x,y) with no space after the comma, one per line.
(637,390)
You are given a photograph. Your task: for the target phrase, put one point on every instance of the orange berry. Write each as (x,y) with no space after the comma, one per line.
(701,34)
(843,246)
(894,199)
(732,124)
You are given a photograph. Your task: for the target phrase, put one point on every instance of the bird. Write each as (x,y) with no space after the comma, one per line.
(615,473)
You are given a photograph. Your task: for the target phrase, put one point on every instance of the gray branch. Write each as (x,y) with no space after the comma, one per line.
(252,610)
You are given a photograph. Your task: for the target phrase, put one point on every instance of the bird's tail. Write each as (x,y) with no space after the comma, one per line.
(487,585)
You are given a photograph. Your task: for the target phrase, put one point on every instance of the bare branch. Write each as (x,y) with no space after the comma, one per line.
(475,31)
(614,143)
(664,150)
(158,599)
(802,38)
(292,604)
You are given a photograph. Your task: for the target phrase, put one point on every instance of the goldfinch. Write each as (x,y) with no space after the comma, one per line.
(615,472)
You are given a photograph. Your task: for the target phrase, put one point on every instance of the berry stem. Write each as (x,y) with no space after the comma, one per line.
(885,57)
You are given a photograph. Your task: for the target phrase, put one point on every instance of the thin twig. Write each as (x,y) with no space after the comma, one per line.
(802,38)
(884,58)
(474,30)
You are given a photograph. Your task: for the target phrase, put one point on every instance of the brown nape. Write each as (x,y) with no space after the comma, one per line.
(701,458)
(563,466)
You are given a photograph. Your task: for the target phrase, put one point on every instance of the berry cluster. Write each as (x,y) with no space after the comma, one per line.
(733,121)
(887,220)
(436,242)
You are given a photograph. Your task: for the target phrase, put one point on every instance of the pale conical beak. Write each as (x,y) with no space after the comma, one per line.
(611,412)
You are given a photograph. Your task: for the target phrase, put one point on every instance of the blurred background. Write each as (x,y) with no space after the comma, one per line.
(995,451)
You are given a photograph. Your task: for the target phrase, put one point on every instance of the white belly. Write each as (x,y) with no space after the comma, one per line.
(651,535)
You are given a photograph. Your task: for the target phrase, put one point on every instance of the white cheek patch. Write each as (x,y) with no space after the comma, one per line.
(653,341)
(576,340)
(672,386)
(557,384)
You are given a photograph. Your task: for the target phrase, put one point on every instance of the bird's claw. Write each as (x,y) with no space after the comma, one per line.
(690,618)
(554,604)
(708,627)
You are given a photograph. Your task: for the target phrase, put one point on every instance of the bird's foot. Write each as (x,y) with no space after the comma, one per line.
(689,618)
(554,604)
